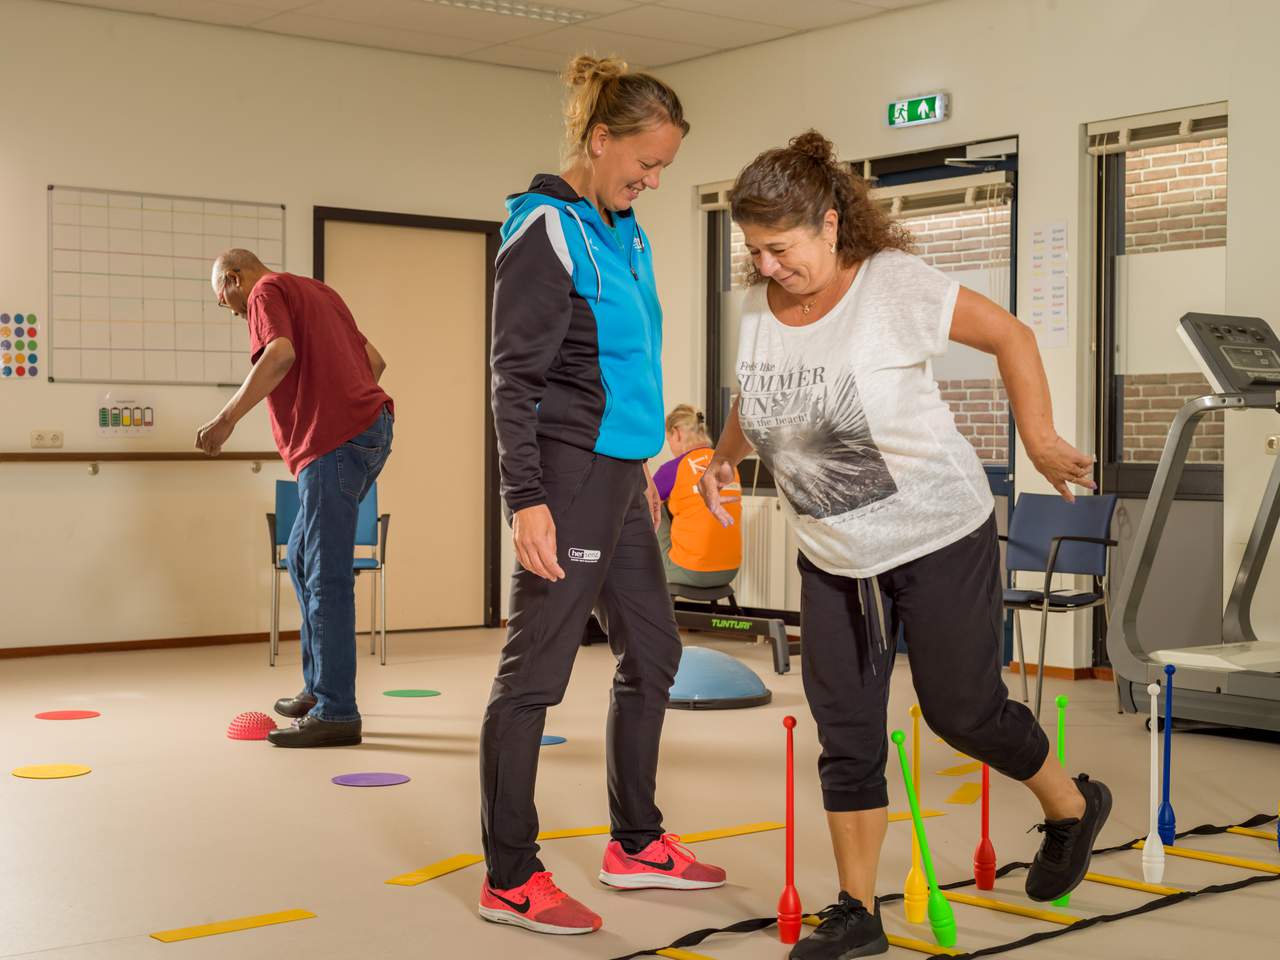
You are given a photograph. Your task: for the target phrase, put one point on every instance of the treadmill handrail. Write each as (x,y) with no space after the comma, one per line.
(1124,647)
(1237,625)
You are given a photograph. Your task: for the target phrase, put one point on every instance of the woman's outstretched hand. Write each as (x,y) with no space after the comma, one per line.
(711,484)
(1062,464)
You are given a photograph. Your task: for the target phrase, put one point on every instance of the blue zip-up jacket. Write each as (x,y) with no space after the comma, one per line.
(577,336)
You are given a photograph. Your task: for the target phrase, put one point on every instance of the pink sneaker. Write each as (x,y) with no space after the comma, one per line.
(664,864)
(537,905)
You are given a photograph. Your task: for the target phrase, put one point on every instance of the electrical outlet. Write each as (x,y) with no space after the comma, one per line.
(1273,445)
(46,439)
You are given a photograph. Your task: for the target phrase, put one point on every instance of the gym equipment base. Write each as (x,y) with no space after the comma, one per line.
(727,624)
(1159,903)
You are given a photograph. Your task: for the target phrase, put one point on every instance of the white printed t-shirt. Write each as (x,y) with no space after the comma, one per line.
(848,418)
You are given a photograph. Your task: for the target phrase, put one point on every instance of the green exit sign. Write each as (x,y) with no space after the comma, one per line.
(914,111)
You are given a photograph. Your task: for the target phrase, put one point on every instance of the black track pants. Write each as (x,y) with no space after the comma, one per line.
(951,607)
(607,547)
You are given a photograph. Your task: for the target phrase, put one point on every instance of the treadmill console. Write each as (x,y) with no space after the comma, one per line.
(1236,354)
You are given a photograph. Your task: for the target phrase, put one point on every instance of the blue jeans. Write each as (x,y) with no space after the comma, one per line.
(322,548)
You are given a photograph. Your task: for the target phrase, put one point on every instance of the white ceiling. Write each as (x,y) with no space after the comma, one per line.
(651,33)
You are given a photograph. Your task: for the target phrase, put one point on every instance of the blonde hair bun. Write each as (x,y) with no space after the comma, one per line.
(584,69)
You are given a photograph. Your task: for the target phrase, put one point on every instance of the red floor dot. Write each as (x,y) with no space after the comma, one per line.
(68,715)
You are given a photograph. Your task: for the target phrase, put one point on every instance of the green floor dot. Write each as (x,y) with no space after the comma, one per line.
(411,693)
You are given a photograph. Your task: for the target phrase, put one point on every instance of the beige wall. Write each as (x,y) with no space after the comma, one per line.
(1047,68)
(128,102)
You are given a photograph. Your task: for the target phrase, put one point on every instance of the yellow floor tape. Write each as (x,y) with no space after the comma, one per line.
(1257,865)
(675,954)
(966,793)
(961,770)
(431,871)
(231,926)
(1246,832)
(741,831)
(1000,906)
(1132,884)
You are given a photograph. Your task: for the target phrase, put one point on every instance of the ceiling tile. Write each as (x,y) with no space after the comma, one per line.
(700,28)
(430,18)
(894,4)
(369,35)
(569,40)
(596,6)
(511,56)
(203,11)
(797,14)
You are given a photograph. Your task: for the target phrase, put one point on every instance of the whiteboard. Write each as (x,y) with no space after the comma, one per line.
(129,293)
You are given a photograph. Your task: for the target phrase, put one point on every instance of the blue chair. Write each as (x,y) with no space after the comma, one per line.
(1048,535)
(371,531)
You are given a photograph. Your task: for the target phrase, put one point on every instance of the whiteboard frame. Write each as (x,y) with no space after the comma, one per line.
(49,340)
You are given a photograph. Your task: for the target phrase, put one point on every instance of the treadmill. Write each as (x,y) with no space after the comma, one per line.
(1236,680)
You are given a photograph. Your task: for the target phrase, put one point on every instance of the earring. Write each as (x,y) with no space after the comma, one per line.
(833,248)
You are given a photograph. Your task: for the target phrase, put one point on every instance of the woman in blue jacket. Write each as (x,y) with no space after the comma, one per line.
(578,408)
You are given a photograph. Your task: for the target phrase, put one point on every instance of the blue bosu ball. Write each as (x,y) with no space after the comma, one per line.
(711,680)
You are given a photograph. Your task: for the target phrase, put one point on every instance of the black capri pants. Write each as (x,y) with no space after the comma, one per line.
(950,604)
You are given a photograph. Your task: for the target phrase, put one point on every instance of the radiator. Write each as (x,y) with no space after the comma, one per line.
(758,580)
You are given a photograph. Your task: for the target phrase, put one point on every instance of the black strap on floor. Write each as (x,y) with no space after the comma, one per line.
(763,923)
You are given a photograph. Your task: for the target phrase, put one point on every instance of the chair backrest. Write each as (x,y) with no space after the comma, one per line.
(367,521)
(287,513)
(286,510)
(1039,517)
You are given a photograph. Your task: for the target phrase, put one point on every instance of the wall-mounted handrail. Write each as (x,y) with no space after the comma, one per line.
(93,458)
(115,456)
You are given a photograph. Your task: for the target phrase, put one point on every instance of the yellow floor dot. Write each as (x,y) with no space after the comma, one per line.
(51,771)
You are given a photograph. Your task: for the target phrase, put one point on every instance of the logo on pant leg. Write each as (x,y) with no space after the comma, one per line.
(584,556)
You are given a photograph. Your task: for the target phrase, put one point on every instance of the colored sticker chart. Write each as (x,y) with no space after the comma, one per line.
(125,413)
(1048,315)
(21,345)
(129,294)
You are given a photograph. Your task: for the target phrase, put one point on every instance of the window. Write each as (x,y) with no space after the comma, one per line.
(1161,239)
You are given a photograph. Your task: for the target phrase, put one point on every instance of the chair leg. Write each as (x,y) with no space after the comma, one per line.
(1044,636)
(1115,674)
(373,613)
(273,642)
(382,587)
(1022,656)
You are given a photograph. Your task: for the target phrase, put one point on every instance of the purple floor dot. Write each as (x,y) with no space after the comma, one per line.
(370,779)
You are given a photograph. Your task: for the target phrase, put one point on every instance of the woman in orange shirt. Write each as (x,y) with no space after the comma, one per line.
(696,550)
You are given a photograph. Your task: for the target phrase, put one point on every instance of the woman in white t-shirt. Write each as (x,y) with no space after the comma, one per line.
(891,508)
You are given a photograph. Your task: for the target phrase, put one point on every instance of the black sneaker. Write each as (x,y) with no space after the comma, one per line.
(1064,854)
(847,930)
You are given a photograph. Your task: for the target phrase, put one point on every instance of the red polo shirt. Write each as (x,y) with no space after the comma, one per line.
(329,394)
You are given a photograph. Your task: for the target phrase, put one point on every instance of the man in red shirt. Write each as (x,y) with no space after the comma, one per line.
(332,424)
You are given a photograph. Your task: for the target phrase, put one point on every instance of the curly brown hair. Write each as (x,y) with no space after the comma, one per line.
(797,184)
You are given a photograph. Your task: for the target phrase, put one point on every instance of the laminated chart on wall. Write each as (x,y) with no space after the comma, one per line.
(126,413)
(129,294)
(1047,315)
(21,345)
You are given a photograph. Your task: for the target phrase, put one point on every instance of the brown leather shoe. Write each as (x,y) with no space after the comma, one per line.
(314,732)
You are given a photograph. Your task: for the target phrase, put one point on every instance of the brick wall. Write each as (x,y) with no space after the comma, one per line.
(962,241)
(981,409)
(1150,402)
(1176,197)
